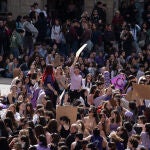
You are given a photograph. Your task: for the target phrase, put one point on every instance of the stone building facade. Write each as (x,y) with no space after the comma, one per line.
(21,7)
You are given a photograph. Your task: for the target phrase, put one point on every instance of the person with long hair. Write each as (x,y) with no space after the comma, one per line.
(19,23)
(19,77)
(107,108)
(90,121)
(29,111)
(115,120)
(52,126)
(81,128)
(61,79)
(10,115)
(64,127)
(39,130)
(90,97)
(49,82)
(42,143)
(117,140)
(20,108)
(145,136)
(87,82)
(122,133)
(102,125)
(49,107)
(32,138)
(24,142)
(78,143)
(140,125)
(83,97)
(17,116)
(12,96)
(56,33)
(41,25)
(99,142)
(133,143)
(55,137)
(3,130)
(8,125)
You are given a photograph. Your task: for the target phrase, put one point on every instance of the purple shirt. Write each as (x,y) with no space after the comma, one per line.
(145,138)
(99,100)
(76,80)
(42,148)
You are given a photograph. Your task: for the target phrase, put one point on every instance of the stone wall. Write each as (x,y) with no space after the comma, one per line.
(110,9)
(22,7)
(89,4)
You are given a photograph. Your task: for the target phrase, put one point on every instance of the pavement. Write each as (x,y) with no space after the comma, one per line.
(5,85)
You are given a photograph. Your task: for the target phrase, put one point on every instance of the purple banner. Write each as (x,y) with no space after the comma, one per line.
(119,81)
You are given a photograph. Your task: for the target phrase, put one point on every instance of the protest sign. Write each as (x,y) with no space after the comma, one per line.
(128,96)
(119,81)
(140,91)
(69,111)
(80,50)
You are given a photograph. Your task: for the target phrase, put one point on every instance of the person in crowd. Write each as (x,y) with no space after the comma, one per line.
(12,96)
(49,73)
(4,39)
(61,79)
(71,137)
(117,23)
(117,140)
(41,26)
(56,33)
(90,121)
(115,120)
(76,81)
(145,136)
(30,34)
(50,84)
(64,127)
(42,144)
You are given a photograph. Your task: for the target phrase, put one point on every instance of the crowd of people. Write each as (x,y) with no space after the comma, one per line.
(42,50)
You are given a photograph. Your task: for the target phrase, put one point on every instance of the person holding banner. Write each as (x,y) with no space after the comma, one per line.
(76,81)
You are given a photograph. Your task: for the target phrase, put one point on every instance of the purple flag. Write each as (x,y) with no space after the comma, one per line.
(119,81)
